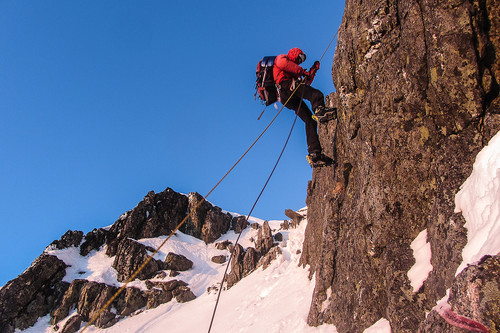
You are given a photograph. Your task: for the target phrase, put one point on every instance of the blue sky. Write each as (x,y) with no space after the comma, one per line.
(103,101)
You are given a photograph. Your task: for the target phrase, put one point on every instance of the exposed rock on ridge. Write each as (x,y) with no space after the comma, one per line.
(244,262)
(32,294)
(40,289)
(418,97)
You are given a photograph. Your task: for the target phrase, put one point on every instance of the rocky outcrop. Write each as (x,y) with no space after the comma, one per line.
(236,274)
(130,255)
(93,241)
(266,259)
(417,97)
(243,262)
(73,324)
(69,239)
(89,297)
(265,240)
(156,215)
(206,221)
(475,295)
(32,294)
(177,262)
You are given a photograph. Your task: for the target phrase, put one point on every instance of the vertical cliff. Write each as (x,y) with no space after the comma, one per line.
(418,97)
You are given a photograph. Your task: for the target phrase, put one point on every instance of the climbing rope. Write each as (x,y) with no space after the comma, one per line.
(265,185)
(134,275)
(336,33)
(255,203)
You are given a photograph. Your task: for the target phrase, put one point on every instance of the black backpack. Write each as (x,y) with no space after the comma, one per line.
(265,86)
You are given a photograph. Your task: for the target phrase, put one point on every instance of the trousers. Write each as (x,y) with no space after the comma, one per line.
(316,98)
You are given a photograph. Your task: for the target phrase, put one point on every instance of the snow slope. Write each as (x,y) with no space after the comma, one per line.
(277,299)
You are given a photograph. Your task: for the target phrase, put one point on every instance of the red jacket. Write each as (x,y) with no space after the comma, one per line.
(286,68)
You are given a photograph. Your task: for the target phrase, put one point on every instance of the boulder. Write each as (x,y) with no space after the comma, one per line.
(134,299)
(177,262)
(183,294)
(296,217)
(73,324)
(166,286)
(157,297)
(219,259)
(222,245)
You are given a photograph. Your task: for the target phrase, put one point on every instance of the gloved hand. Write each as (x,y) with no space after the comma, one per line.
(316,65)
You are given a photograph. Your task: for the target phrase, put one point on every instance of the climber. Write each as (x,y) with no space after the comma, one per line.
(287,75)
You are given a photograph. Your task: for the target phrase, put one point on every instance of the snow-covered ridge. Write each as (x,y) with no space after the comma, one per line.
(275,299)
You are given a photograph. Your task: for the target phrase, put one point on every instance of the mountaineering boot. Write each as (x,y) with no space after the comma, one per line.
(318,160)
(324,113)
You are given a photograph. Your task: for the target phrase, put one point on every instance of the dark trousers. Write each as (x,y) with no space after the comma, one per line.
(312,95)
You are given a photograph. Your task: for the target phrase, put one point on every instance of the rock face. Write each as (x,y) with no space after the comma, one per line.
(157,214)
(417,97)
(206,222)
(88,298)
(32,294)
(243,262)
(93,241)
(70,238)
(129,257)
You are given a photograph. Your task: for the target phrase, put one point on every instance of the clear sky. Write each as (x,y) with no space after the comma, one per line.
(103,101)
